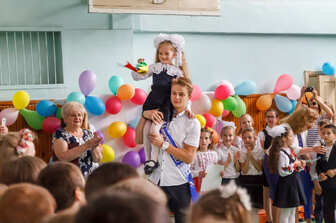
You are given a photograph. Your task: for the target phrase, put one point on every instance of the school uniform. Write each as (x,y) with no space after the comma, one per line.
(230,172)
(252,180)
(168,176)
(326,162)
(289,192)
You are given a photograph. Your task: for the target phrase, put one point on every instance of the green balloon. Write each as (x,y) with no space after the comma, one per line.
(59,113)
(33,119)
(114,83)
(241,107)
(230,103)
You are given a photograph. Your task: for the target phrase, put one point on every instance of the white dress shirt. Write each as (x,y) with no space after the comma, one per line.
(223,153)
(183,130)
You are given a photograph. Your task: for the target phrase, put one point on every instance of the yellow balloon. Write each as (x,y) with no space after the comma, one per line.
(217,108)
(20,100)
(201,119)
(117,129)
(108,154)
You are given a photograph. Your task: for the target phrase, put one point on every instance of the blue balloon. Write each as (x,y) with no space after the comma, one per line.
(134,122)
(46,108)
(114,83)
(328,69)
(76,96)
(293,102)
(94,105)
(245,88)
(283,103)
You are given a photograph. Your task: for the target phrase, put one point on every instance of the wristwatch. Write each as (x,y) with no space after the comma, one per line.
(165,145)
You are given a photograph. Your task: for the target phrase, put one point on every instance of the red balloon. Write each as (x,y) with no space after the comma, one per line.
(139,97)
(225,113)
(196,93)
(113,105)
(222,92)
(129,137)
(210,120)
(51,124)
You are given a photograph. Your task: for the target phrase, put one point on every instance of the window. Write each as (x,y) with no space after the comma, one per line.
(29,59)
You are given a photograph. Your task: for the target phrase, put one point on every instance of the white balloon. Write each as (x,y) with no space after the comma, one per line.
(294,92)
(202,105)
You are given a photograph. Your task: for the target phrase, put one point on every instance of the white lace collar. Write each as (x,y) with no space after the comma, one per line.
(172,70)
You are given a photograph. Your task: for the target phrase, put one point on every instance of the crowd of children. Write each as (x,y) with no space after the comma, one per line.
(277,169)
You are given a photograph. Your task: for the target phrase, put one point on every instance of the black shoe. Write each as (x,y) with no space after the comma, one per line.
(150,166)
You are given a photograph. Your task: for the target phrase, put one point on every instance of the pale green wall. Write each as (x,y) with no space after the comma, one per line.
(253,39)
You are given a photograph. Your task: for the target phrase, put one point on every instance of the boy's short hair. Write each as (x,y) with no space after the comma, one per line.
(107,175)
(61,179)
(25,169)
(323,122)
(122,207)
(26,203)
(330,126)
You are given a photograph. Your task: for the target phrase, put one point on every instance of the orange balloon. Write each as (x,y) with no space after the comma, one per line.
(125,92)
(307,95)
(215,136)
(264,102)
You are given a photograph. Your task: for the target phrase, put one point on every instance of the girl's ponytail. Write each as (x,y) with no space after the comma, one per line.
(274,154)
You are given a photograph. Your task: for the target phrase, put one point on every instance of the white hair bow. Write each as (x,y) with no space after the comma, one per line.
(278,130)
(231,124)
(176,40)
(231,188)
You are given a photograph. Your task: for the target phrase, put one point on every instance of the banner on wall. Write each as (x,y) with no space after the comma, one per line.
(174,7)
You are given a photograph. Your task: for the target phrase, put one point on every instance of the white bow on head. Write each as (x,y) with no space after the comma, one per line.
(278,130)
(231,188)
(177,41)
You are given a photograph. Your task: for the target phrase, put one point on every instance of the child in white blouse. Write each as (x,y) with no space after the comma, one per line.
(251,157)
(245,121)
(204,157)
(228,154)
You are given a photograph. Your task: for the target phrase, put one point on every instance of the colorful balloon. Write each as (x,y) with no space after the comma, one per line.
(21,100)
(139,97)
(108,154)
(328,69)
(33,119)
(133,123)
(215,136)
(228,83)
(284,82)
(293,102)
(246,88)
(113,105)
(132,158)
(59,113)
(202,105)
(196,93)
(94,105)
(76,96)
(87,82)
(46,108)
(201,120)
(117,129)
(241,107)
(230,103)
(142,155)
(129,137)
(283,103)
(125,92)
(222,92)
(114,83)
(264,102)
(100,135)
(216,108)
(10,114)
(294,92)
(307,96)
(51,124)
(225,113)
(210,120)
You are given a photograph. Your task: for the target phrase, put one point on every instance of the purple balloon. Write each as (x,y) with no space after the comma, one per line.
(132,158)
(142,155)
(87,82)
(100,135)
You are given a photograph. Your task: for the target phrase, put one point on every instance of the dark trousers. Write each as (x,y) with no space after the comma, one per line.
(318,211)
(178,200)
(329,205)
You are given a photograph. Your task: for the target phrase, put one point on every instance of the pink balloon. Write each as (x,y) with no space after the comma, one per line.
(225,113)
(51,124)
(139,97)
(230,86)
(196,93)
(283,83)
(222,92)
(10,114)
(113,105)
(294,92)
(210,120)
(129,137)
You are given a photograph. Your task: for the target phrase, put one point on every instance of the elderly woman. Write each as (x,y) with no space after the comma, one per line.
(76,143)
(179,146)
